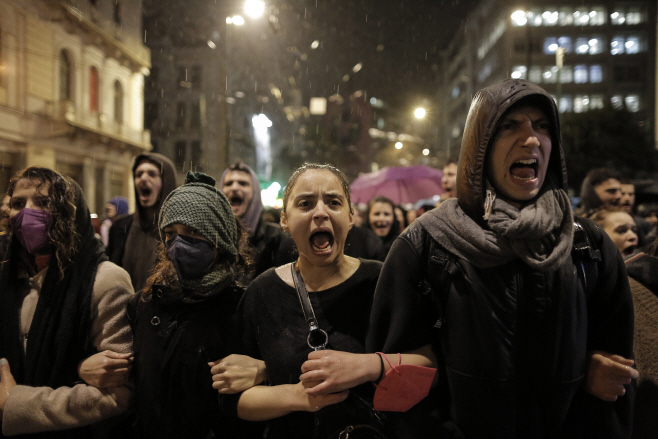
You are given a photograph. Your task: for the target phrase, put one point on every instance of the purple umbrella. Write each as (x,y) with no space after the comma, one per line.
(402,184)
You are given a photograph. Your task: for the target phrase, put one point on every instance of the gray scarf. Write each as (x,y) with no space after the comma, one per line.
(540,233)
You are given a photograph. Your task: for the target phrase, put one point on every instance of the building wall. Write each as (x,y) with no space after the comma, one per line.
(492,46)
(40,127)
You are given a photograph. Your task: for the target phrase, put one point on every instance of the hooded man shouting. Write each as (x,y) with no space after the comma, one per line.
(531,323)
(134,238)
(271,245)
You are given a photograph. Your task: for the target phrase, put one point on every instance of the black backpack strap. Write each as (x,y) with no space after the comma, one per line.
(585,256)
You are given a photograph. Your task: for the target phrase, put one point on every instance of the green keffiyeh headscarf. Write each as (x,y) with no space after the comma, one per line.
(199,205)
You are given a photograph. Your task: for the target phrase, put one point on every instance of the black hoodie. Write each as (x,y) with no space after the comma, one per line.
(132,244)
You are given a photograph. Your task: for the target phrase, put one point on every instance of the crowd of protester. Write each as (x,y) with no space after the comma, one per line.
(494,310)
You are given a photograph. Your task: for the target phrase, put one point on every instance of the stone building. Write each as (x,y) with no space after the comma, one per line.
(71,91)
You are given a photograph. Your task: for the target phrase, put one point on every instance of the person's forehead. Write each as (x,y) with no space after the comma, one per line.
(620,218)
(610,183)
(238,175)
(530,110)
(382,206)
(28,185)
(312,177)
(146,165)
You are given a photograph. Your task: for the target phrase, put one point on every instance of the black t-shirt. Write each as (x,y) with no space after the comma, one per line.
(275,329)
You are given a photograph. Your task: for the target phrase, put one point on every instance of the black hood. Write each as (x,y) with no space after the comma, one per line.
(487,108)
(168,176)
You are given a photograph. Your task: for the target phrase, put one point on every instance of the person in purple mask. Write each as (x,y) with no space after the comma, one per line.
(61,301)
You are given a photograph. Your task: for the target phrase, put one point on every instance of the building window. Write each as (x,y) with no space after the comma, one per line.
(634,16)
(565,17)
(580,103)
(197,74)
(595,74)
(519,72)
(117,12)
(196,152)
(565,42)
(195,115)
(181,114)
(550,45)
(180,152)
(566,75)
(549,75)
(151,114)
(617,46)
(118,102)
(632,45)
(93,89)
(566,104)
(65,76)
(582,47)
(535,75)
(550,18)
(153,77)
(580,74)
(591,46)
(581,18)
(617,102)
(182,78)
(630,16)
(596,102)
(632,103)
(597,17)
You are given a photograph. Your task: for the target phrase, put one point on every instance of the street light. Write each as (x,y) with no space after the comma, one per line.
(254,8)
(420,113)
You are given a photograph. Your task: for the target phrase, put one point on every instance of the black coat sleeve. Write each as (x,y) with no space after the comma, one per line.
(403,315)
(610,329)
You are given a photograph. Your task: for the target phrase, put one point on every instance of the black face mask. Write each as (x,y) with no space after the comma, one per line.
(193,258)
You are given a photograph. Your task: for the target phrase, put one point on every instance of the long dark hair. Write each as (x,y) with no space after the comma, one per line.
(61,195)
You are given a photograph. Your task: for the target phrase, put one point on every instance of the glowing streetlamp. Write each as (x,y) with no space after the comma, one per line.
(254,8)
(398,145)
(420,113)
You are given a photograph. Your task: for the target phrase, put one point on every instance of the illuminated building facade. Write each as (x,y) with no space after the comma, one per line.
(607,51)
(71,92)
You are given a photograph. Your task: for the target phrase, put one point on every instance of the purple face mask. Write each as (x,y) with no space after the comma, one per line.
(31,228)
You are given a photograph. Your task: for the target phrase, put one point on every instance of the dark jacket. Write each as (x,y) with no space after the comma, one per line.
(174,342)
(139,259)
(362,242)
(272,247)
(512,342)
(643,277)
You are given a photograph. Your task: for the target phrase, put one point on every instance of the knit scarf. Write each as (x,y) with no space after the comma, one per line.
(198,290)
(540,233)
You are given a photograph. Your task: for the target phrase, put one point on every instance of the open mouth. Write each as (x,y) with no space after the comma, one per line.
(145,192)
(236,201)
(322,242)
(524,170)
(629,250)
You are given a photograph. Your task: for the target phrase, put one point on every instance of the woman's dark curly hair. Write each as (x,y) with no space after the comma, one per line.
(62,230)
(163,271)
